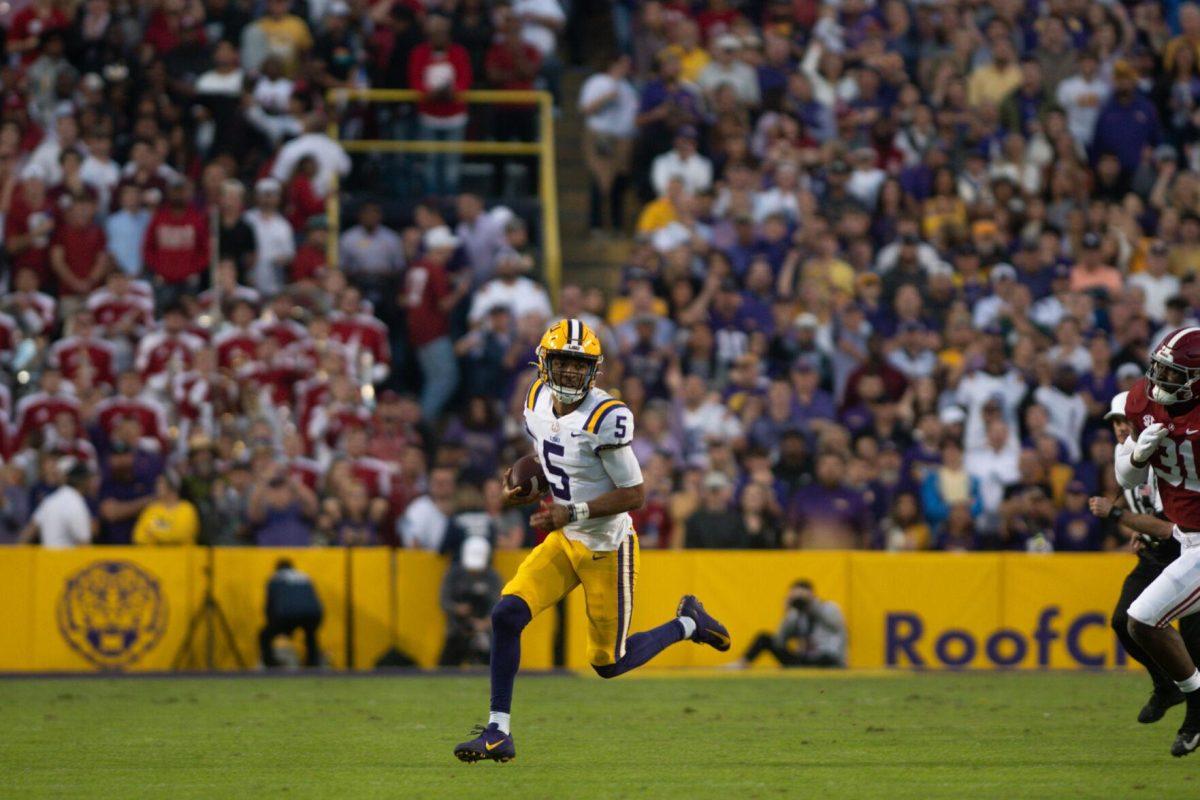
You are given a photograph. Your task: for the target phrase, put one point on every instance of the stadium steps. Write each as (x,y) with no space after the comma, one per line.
(587,261)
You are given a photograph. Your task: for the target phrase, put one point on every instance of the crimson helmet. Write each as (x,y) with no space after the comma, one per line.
(1175,367)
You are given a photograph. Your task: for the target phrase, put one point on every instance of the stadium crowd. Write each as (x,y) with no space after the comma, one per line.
(891,262)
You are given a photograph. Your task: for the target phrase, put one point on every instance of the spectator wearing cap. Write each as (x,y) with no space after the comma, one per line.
(609,104)
(1128,123)
(1082,95)
(429,295)
(372,254)
(440,69)
(714,525)
(1155,282)
(512,289)
(685,161)
(991,309)
(169,519)
(1091,273)
(176,247)
(274,238)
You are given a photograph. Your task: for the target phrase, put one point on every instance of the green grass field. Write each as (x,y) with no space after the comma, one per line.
(1037,735)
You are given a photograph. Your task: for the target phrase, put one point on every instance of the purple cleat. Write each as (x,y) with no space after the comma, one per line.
(491,744)
(708,630)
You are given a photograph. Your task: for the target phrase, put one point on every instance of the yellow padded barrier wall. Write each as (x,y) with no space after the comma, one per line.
(125,608)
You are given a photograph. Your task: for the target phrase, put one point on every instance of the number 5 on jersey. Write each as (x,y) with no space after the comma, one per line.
(560,483)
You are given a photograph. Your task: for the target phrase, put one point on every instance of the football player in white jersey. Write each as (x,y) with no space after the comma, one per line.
(581,437)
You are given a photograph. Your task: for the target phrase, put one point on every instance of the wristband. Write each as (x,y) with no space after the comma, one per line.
(580,512)
(1116,513)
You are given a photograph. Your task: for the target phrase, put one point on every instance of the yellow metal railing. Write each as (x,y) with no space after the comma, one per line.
(543,149)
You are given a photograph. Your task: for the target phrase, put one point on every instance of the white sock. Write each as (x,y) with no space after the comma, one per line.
(1191,684)
(501,719)
(689,626)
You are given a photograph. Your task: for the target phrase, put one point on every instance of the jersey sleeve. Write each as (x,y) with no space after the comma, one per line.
(611,423)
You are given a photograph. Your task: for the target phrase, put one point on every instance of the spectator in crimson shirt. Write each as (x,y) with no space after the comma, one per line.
(440,69)
(176,246)
(512,64)
(78,251)
(309,264)
(29,225)
(302,201)
(429,295)
(30,24)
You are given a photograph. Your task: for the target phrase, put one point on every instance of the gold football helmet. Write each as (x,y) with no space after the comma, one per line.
(568,357)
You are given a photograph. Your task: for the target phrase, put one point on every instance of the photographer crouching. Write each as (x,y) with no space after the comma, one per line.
(812,633)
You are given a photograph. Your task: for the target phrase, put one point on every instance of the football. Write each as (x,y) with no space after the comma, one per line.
(527,475)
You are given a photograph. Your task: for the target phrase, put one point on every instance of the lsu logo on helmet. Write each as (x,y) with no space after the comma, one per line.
(112,613)
(565,340)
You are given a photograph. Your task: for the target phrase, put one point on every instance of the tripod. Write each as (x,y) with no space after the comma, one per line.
(210,615)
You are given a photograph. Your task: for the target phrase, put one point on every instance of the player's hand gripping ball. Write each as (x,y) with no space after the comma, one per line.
(524,482)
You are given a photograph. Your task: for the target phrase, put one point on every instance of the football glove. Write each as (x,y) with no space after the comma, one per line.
(1147,442)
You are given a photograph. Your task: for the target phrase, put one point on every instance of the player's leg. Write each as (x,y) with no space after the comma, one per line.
(543,578)
(1173,594)
(1166,693)
(608,583)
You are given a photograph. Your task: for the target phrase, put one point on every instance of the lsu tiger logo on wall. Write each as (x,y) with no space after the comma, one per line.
(112,613)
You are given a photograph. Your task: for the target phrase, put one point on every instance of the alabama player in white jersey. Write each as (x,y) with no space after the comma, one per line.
(581,437)
(1163,410)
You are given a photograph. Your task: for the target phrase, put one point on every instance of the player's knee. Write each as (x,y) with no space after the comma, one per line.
(1137,629)
(510,615)
(606,671)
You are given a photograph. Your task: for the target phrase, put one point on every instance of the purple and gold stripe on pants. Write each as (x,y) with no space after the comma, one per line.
(624,594)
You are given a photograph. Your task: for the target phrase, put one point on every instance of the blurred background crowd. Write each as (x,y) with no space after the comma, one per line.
(889,263)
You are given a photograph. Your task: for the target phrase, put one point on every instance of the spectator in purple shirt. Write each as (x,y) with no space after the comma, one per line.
(1075,528)
(1128,123)
(827,507)
(281,509)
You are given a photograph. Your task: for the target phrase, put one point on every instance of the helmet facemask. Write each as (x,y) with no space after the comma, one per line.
(1168,383)
(569,375)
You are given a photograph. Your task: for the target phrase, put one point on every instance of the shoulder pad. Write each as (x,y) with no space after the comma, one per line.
(611,423)
(533,393)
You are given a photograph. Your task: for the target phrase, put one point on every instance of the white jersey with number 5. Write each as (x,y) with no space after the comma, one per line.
(571,450)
